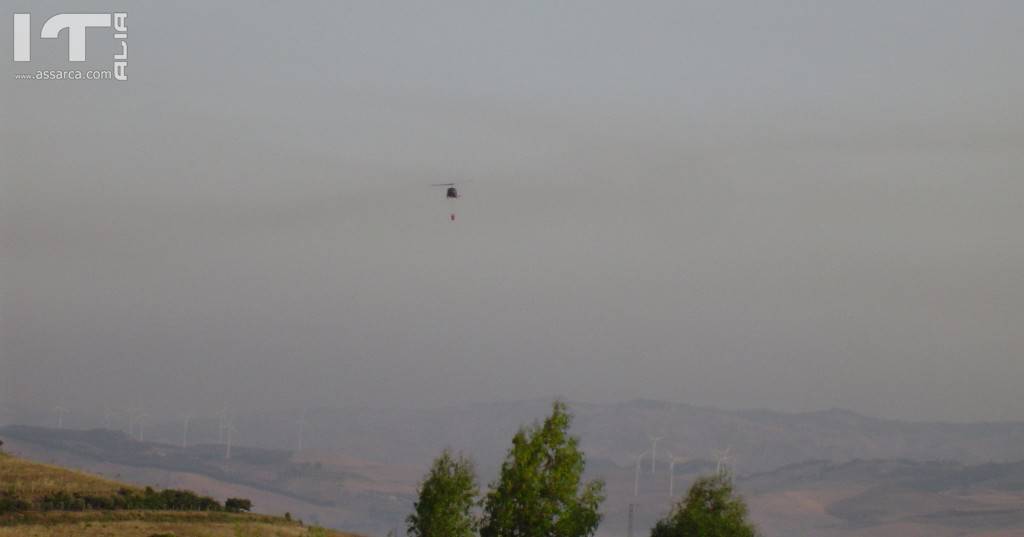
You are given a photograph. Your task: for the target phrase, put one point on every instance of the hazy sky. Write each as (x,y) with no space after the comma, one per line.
(791,205)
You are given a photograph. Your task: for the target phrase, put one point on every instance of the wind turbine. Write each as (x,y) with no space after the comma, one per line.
(636,474)
(186,418)
(229,428)
(636,490)
(61,411)
(141,420)
(222,423)
(722,457)
(133,415)
(131,421)
(654,450)
(672,460)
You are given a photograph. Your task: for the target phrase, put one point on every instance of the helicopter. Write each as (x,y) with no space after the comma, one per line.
(452,194)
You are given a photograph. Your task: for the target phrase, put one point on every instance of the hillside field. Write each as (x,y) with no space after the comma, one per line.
(32,481)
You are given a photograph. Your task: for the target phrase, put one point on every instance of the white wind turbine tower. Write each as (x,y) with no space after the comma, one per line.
(654,450)
(229,429)
(61,411)
(186,418)
(636,490)
(222,423)
(636,474)
(672,460)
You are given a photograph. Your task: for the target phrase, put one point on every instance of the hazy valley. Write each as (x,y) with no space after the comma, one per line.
(823,473)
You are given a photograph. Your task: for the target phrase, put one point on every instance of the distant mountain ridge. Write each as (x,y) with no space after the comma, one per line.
(614,433)
(760,439)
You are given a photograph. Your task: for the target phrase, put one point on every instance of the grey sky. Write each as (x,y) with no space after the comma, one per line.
(794,205)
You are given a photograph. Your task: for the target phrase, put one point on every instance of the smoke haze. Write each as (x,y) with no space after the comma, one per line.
(788,205)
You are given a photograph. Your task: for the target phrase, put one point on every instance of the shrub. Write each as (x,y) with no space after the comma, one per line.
(12,503)
(237,505)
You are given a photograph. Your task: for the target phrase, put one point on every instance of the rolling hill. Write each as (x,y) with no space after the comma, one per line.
(31,483)
(328,490)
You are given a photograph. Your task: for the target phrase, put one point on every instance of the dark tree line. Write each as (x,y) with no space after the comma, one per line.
(125,499)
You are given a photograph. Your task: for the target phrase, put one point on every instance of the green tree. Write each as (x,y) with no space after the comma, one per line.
(446,500)
(539,492)
(711,509)
(237,505)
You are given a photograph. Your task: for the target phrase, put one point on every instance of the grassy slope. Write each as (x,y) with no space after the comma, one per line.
(32,480)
